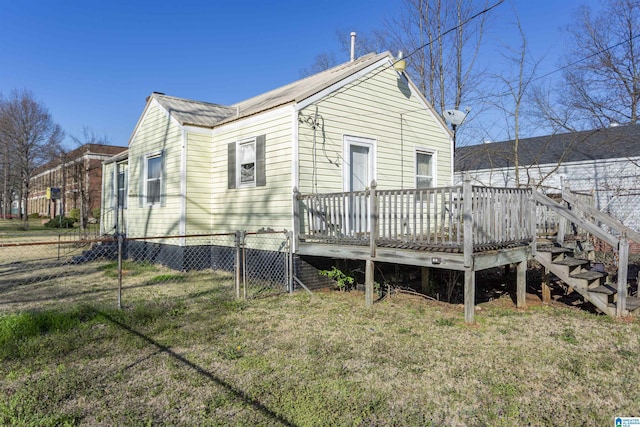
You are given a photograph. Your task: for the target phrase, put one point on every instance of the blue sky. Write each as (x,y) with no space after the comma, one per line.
(94,63)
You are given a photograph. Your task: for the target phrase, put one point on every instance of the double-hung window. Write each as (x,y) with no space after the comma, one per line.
(122,187)
(154,179)
(424,169)
(246,163)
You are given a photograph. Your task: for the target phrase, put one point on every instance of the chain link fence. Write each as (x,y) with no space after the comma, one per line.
(252,264)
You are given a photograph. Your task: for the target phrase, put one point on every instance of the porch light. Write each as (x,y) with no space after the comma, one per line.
(401,64)
(436,260)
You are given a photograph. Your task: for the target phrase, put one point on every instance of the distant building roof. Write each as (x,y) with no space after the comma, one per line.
(607,143)
(99,150)
(205,114)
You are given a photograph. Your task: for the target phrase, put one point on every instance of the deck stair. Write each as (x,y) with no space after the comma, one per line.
(578,276)
(569,227)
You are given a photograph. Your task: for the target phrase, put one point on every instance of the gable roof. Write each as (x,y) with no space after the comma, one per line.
(205,114)
(607,143)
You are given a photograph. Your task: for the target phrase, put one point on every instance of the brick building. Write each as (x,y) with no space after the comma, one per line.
(78,176)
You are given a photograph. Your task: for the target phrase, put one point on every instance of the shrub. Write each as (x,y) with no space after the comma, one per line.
(34,215)
(60,222)
(344,282)
(95,213)
(74,214)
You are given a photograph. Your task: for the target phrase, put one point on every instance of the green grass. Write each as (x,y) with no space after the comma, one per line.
(187,353)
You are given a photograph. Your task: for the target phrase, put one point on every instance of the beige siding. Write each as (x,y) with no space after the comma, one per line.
(259,207)
(380,108)
(156,133)
(199,186)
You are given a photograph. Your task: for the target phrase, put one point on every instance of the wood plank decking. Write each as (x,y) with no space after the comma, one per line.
(466,228)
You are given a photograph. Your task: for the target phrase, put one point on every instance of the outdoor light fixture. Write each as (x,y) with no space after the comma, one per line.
(401,64)
(436,260)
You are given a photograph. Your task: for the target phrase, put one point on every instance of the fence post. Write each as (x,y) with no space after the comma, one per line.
(119,270)
(290,261)
(623,264)
(238,263)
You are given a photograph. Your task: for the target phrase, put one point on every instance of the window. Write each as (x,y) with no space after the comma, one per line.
(122,187)
(154,179)
(424,169)
(246,163)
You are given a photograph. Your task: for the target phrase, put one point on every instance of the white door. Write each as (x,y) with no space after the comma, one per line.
(359,172)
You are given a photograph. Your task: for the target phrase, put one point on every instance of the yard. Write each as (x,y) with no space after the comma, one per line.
(183,351)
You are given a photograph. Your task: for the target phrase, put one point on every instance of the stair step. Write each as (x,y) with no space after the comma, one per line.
(633,303)
(572,262)
(554,249)
(589,275)
(604,289)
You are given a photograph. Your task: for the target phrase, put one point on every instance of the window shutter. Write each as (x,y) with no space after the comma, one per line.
(141,181)
(231,164)
(261,160)
(163,179)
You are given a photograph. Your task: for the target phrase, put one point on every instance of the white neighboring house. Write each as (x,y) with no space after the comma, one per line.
(604,163)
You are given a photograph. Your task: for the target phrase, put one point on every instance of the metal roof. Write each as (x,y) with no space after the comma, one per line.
(607,143)
(205,114)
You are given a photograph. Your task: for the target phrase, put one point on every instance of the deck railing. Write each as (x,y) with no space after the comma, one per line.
(433,217)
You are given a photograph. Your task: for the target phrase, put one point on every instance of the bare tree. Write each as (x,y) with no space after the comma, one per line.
(445,43)
(601,81)
(31,137)
(517,89)
(322,61)
(79,170)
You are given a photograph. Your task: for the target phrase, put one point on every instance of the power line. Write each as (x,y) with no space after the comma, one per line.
(600,52)
(465,22)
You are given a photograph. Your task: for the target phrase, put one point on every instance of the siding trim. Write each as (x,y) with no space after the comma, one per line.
(183,189)
(252,120)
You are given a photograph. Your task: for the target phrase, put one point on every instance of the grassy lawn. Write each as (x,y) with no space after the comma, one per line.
(185,353)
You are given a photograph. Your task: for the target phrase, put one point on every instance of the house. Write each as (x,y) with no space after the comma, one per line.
(195,167)
(601,164)
(76,177)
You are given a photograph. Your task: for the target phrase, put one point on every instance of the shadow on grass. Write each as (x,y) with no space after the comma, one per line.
(101,291)
(199,369)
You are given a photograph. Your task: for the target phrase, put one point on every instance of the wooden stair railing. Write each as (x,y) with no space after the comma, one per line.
(576,273)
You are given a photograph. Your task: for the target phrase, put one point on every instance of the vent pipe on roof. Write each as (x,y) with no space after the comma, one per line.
(353,46)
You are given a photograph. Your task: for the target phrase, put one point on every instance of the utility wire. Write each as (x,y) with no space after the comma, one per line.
(450,30)
(600,52)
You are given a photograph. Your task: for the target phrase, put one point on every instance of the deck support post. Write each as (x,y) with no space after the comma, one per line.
(623,265)
(546,286)
(469,294)
(368,282)
(373,234)
(521,284)
(469,269)
(424,277)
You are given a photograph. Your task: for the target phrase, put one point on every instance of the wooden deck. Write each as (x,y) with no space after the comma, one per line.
(465,228)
